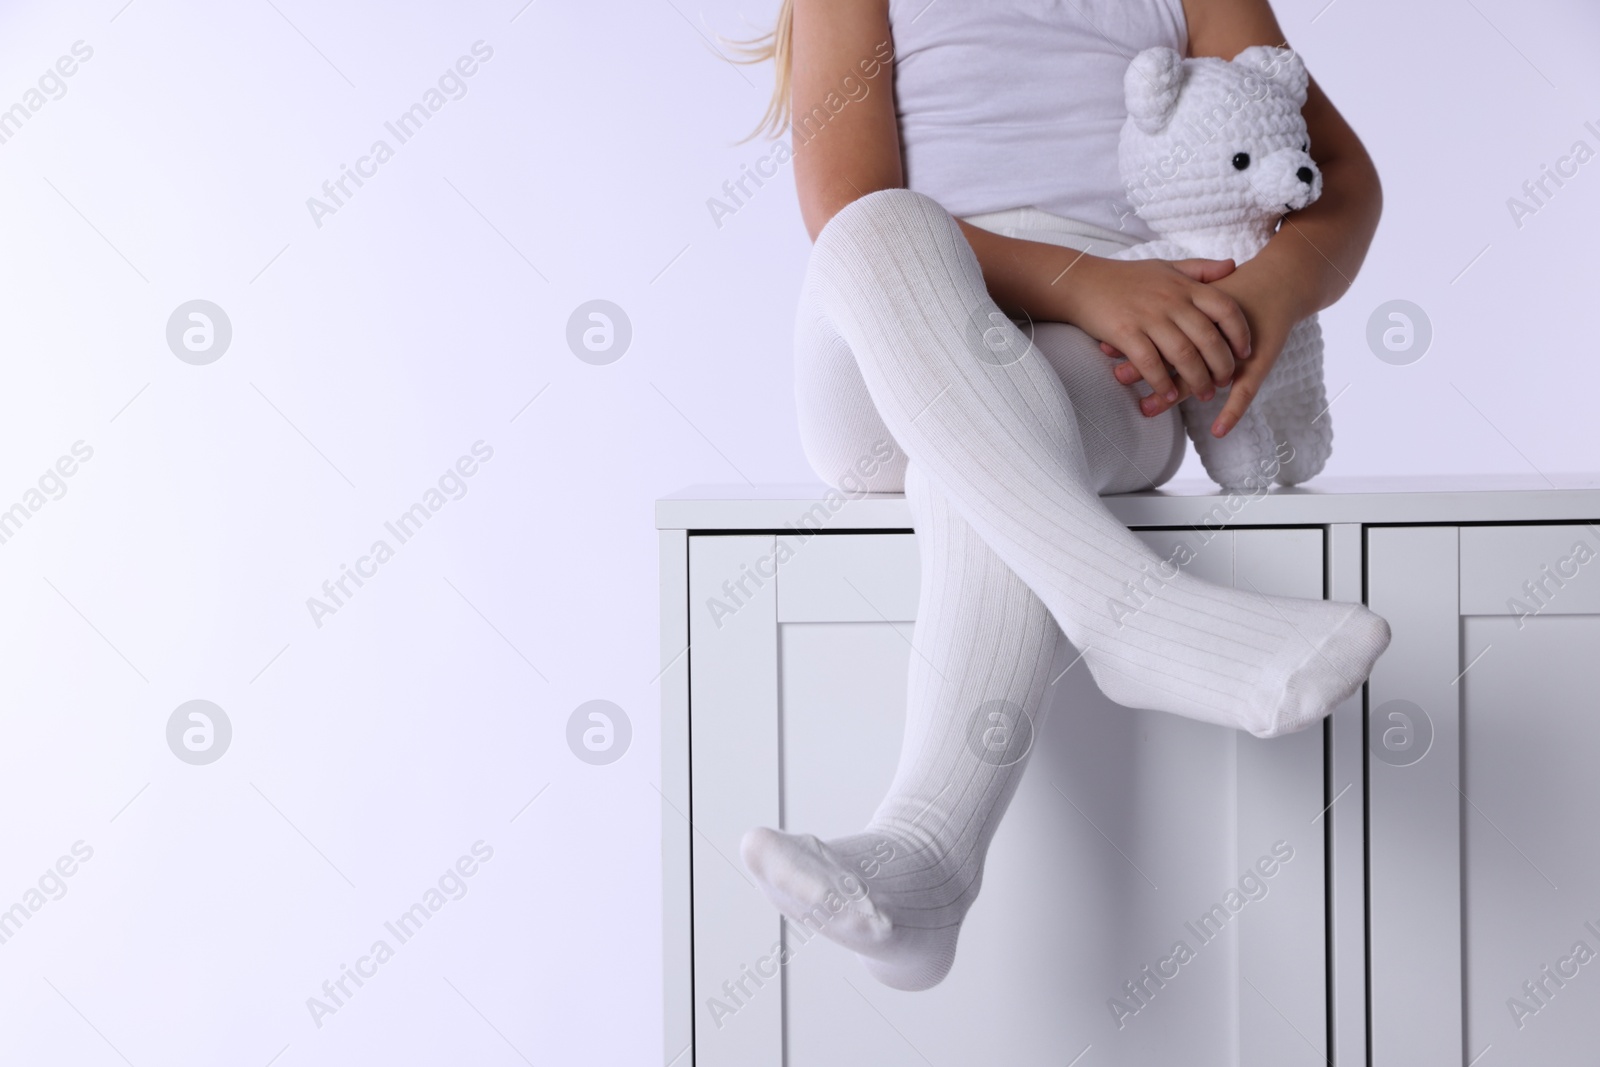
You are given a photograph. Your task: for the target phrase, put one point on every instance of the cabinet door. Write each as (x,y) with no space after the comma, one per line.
(1129,827)
(1483,743)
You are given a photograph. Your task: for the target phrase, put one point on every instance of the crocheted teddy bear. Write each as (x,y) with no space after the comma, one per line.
(1212,155)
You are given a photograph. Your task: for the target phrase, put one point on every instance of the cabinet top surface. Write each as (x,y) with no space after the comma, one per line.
(1188,502)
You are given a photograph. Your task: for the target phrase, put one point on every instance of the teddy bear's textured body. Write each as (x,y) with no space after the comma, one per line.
(1213,154)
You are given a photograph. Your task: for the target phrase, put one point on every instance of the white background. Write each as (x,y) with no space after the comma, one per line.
(372,351)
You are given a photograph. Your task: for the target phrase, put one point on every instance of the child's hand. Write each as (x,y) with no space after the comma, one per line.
(1165,317)
(1270,321)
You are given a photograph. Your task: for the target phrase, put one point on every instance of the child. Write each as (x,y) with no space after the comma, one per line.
(1006,113)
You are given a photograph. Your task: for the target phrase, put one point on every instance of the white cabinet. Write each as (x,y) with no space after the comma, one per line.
(1484,787)
(783,703)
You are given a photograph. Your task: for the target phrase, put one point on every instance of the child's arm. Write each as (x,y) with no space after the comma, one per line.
(1156,312)
(841,156)
(1311,260)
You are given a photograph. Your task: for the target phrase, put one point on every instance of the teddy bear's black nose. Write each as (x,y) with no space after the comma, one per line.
(1304,174)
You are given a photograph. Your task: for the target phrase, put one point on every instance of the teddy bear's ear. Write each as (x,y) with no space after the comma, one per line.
(1281,65)
(1151,86)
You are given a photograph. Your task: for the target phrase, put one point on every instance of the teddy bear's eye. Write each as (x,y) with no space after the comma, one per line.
(1241,161)
(1306,147)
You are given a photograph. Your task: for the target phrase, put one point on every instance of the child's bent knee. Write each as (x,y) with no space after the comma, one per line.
(879,213)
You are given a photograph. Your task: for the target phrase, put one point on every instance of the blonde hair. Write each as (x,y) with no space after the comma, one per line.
(776,46)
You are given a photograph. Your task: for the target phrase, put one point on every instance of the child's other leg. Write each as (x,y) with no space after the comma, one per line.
(977,692)
(979,671)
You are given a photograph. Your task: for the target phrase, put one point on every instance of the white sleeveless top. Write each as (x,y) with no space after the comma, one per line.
(1018,103)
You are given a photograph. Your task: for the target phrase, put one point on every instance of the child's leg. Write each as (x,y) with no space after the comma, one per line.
(893,283)
(976,691)
(980,667)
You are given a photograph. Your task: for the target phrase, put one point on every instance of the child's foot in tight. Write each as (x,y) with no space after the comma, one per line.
(897,907)
(1270,665)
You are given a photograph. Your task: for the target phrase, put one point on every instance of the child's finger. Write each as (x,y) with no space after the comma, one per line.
(1125,372)
(1178,349)
(1144,355)
(1153,405)
(1205,270)
(1239,396)
(1128,374)
(1223,310)
(1213,346)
